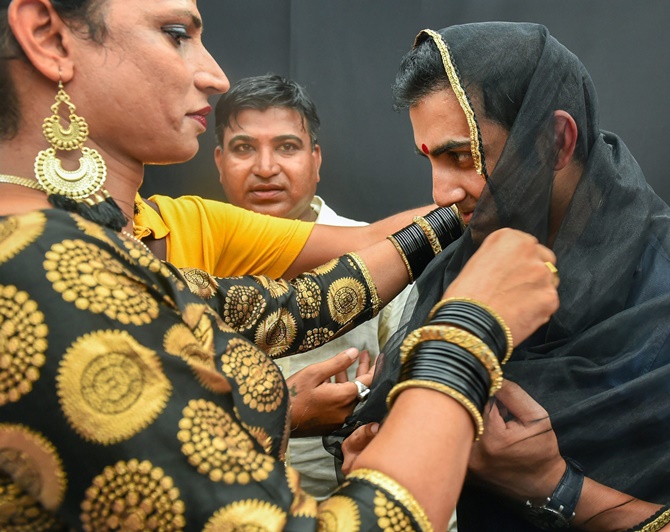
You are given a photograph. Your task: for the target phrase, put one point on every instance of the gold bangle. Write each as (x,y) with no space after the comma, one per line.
(429,232)
(498,318)
(476,416)
(657,523)
(468,341)
(402,256)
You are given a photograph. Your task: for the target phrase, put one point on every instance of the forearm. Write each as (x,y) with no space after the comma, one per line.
(327,242)
(386,269)
(424,445)
(605,509)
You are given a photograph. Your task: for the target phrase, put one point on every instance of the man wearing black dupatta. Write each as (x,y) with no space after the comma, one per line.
(601,366)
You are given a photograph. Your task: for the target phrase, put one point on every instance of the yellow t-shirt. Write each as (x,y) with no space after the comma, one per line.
(221,238)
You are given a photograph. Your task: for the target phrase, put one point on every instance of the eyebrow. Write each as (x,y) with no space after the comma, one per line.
(448,146)
(195,20)
(249,138)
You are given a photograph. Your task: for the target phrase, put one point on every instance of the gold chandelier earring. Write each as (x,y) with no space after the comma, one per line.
(78,184)
(79,190)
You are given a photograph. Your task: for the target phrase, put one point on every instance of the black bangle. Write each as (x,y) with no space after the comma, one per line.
(476,320)
(449,358)
(446,225)
(415,245)
(450,365)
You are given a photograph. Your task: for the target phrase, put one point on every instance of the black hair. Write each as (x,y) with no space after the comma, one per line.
(495,75)
(263,92)
(499,97)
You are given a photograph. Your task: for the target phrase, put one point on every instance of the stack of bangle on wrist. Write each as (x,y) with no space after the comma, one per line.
(459,353)
(476,318)
(422,240)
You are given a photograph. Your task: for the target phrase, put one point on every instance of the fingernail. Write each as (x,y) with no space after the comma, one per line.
(352,353)
(374,428)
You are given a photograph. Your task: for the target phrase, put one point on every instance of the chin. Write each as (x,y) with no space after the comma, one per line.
(180,154)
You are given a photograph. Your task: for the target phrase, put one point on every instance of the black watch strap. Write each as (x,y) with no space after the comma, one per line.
(563,501)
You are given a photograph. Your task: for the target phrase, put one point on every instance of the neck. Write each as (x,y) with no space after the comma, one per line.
(17,158)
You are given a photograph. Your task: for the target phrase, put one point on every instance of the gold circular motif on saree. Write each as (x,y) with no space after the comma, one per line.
(259,433)
(200,282)
(250,515)
(33,465)
(339,514)
(180,341)
(308,295)
(217,446)
(131,250)
(390,516)
(193,339)
(210,378)
(314,338)
(20,512)
(276,288)
(18,232)
(346,298)
(93,280)
(303,505)
(23,343)
(130,496)
(324,268)
(111,387)
(242,307)
(259,380)
(276,333)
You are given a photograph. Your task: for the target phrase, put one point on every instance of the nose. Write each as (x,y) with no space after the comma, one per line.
(209,77)
(447,188)
(265,164)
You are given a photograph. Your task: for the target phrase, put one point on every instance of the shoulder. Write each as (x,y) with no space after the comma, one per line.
(328,216)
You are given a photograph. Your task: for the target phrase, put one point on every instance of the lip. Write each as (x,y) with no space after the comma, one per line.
(466,216)
(201,115)
(265,192)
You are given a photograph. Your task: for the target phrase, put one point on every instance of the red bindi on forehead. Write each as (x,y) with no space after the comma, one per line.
(424,148)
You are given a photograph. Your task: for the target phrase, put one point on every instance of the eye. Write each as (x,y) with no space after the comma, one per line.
(288,147)
(177,32)
(462,158)
(242,148)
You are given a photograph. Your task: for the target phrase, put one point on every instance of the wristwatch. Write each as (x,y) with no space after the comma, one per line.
(559,509)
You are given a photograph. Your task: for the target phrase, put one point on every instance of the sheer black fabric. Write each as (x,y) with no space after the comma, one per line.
(601,366)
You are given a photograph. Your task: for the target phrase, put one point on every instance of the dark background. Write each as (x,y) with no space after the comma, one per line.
(346,52)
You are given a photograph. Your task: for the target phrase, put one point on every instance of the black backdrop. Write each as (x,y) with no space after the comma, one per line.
(346,52)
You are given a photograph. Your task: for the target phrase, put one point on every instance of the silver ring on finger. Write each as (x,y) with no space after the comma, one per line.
(363,391)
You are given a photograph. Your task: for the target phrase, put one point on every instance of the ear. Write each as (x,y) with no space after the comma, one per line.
(316,153)
(218,158)
(565,137)
(43,36)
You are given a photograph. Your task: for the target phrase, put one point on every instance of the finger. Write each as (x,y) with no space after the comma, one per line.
(324,370)
(341,376)
(521,405)
(493,421)
(354,444)
(363,362)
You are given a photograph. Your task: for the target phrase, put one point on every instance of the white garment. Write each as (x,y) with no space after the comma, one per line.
(307,455)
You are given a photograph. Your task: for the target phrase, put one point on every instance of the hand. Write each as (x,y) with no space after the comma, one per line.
(319,406)
(518,453)
(355,443)
(509,274)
